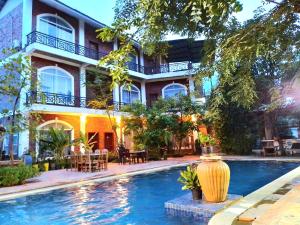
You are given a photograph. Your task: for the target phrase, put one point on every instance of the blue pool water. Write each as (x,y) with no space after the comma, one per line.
(131,200)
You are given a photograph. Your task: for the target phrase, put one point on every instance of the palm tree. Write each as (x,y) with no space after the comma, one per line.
(57,141)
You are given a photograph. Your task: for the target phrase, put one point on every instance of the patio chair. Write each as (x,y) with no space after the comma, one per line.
(103,159)
(295,149)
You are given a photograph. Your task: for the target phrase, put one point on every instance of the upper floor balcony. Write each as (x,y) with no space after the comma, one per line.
(71,47)
(54,99)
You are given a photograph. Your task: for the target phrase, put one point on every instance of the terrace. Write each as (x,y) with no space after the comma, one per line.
(70,47)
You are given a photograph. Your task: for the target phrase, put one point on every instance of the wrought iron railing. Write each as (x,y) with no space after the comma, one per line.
(51,41)
(65,100)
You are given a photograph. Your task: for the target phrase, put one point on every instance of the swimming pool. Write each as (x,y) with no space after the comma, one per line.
(129,200)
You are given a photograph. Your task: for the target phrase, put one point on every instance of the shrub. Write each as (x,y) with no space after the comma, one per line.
(10,176)
(113,156)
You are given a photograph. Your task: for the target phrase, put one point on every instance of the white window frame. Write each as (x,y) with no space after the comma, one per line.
(40,70)
(172,84)
(56,121)
(132,85)
(39,17)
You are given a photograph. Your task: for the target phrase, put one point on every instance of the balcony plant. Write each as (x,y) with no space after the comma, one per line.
(190,181)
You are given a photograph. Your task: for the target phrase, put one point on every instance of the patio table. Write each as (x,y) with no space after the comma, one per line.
(136,155)
(92,157)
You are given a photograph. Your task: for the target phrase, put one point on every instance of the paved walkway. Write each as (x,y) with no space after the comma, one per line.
(60,177)
(286,211)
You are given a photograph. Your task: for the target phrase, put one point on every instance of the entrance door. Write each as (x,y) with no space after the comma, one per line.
(109,141)
(95,139)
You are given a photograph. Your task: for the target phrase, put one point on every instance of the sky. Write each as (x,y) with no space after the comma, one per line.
(102,10)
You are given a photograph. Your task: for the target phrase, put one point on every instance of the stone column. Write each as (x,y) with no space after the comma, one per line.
(143,92)
(81,33)
(82,83)
(26,21)
(82,128)
(192,88)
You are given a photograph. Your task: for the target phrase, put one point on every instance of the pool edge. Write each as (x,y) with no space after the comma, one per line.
(10,196)
(228,215)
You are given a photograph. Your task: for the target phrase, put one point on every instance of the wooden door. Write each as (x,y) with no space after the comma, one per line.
(95,139)
(109,141)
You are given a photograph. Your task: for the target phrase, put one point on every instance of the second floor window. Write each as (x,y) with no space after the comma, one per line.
(56,80)
(56,27)
(130,95)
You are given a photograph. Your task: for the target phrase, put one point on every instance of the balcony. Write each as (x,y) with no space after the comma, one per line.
(54,42)
(47,98)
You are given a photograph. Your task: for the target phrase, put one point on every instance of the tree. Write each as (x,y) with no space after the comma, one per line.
(155,126)
(15,81)
(101,97)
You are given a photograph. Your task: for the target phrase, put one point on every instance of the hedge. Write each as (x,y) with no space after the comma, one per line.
(10,176)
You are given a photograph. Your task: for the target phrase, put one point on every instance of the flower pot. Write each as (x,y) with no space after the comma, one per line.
(214,176)
(27,160)
(36,166)
(46,167)
(197,194)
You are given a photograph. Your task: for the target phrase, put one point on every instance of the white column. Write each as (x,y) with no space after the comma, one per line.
(116,95)
(143,92)
(192,88)
(115,47)
(81,33)
(82,82)
(142,58)
(26,20)
(23,139)
(23,142)
(82,128)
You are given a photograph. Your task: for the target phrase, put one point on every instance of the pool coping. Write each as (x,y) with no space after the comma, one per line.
(228,215)
(88,181)
(92,180)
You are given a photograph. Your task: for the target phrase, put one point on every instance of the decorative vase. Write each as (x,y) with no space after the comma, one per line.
(197,194)
(214,176)
(27,160)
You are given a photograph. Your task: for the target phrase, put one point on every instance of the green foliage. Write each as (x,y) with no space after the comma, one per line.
(155,127)
(15,79)
(57,141)
(86,143)
(10,176)
(189,179)
(206,139)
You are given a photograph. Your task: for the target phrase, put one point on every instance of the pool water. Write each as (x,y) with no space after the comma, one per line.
(129,200)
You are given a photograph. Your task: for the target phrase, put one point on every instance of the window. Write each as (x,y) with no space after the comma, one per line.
(174,90)
(56,27)
(15,144)
(130,95)
(43,134)
(56,80)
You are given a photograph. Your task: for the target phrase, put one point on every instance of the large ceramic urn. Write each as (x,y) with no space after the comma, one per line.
(214,176)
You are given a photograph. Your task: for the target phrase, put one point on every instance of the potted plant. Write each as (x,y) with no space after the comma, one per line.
(57,141)
(190,181)
(207,142)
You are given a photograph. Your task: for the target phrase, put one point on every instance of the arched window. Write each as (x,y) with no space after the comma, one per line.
(55,80)
(174,90)
(130,95)
(43,134)
(55,26)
